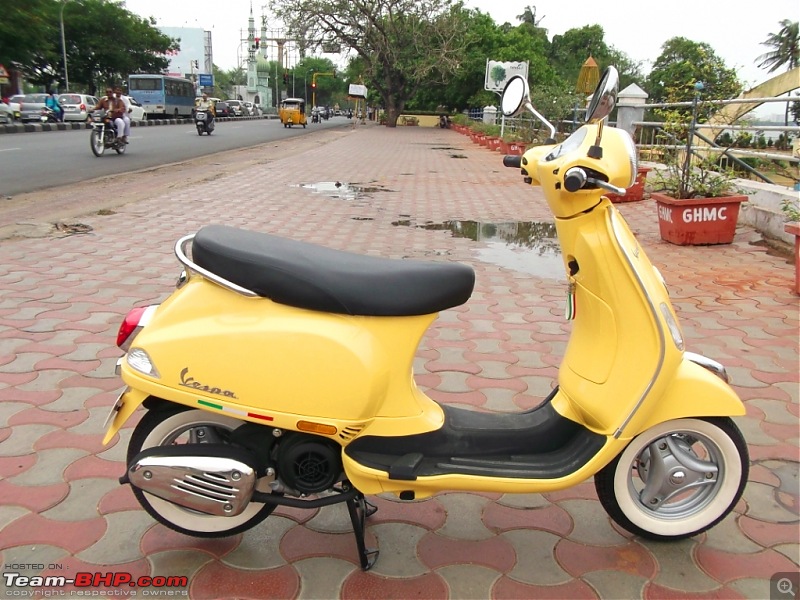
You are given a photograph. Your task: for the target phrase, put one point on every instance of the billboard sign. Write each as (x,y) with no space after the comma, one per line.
(206,80)
(498,74)
(357,91)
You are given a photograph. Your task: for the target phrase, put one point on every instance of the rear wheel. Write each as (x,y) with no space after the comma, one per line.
(676,479)
(178,425)
(97,143)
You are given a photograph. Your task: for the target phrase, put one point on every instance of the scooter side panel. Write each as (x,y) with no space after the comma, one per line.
(264,356)
(611,367)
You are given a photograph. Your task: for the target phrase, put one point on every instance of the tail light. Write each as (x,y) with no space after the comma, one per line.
(82,107)
(133,323)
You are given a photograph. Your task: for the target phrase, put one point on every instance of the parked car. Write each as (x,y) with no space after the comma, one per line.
(13,104)
(254,109)
(77,106)
(6,114)
(222,109)
(137,110)
(31,106)
(238,108)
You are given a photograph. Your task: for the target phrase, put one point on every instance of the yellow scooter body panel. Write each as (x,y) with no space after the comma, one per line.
(621,353)
(276,364)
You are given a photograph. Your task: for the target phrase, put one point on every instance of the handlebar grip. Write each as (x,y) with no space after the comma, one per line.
(512,160)
(574,179)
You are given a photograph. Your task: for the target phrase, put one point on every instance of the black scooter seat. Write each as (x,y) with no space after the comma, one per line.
(322,279)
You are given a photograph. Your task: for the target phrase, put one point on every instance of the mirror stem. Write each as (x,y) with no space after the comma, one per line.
(596,151)
(546,123)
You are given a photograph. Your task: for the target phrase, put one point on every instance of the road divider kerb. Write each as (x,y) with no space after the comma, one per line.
(47,127)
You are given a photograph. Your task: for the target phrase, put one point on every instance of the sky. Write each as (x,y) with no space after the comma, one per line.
(733,28)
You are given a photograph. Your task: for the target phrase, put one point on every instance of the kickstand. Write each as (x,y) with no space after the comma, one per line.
(359,510)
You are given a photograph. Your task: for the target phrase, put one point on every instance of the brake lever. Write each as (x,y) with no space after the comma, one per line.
(606,186)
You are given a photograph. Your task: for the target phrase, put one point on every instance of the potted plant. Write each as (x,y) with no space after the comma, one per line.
(459,122)
(791,209)
(697,199)
(698,205)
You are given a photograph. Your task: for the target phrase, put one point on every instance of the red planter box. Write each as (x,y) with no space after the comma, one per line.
(516,148)
(636,191)
(698,221)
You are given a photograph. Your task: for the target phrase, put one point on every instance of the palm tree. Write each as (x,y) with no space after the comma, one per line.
(786,51)
(786,48)
(529,16)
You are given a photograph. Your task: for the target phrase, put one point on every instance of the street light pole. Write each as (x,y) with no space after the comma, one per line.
(63,44)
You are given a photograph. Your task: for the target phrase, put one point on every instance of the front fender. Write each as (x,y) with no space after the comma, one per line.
(693,392)
(128,402)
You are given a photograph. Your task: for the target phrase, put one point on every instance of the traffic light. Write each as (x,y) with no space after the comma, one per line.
(258,44)
(313,84)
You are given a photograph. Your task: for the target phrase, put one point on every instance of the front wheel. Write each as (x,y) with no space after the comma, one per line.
(96,142)
(199,130)
(178,425)
(676,479)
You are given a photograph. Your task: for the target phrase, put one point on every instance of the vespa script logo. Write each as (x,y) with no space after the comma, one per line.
(190,382)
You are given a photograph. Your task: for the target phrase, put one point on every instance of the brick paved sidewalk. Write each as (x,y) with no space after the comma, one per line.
(409,192)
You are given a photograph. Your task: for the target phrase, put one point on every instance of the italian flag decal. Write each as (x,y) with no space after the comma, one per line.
(233,411)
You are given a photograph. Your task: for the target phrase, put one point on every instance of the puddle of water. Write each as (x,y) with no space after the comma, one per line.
(345,191)
(525,246)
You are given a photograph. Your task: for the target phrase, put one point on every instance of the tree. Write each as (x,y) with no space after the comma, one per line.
(786,51)
(569,51)
(403,44)
(683,63)
(24,28)
(785,48)
(104,43)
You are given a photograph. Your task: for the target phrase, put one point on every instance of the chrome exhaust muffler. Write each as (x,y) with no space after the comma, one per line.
(190,476)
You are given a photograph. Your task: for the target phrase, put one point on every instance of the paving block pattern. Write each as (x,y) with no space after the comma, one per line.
(407,192)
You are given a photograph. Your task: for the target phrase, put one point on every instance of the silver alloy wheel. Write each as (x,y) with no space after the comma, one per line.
(676,479)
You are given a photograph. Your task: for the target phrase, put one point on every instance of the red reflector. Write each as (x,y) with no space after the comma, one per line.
(130,323)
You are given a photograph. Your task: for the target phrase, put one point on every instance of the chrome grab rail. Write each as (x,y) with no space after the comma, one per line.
(186,262)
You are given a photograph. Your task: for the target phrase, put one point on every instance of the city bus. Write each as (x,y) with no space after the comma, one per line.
(162,95)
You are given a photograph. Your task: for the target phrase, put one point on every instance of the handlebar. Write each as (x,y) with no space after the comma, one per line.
(576,178)
(512,160)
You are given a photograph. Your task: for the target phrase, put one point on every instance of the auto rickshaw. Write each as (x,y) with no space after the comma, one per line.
(293,112)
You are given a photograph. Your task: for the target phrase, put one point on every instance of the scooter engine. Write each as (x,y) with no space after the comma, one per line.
(309,464)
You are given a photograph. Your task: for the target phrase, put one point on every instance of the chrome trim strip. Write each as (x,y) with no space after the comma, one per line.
(707,363)
(186,262)
(661,337)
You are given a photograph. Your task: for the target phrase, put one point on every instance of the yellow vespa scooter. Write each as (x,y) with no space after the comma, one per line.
(280,373)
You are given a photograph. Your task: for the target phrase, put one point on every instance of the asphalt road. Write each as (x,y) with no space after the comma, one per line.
(40,160)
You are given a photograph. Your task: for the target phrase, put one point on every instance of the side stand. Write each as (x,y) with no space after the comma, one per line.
(359,510)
